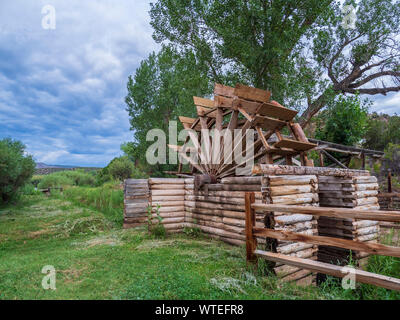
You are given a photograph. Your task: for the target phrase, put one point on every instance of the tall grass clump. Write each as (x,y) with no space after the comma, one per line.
(79,178)
(108,199)
(66,178)
(54,180)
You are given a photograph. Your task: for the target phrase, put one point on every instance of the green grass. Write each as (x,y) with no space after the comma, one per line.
(95,259)
(109,199)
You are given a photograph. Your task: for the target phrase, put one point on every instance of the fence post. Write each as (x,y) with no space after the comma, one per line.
(251,240)
(389,181)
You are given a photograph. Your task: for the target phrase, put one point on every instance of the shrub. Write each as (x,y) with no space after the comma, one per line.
(16,168)
(29,190)
(118,169)
(79,178)
(55,180)
(66,178)
(121,168)
(36,180)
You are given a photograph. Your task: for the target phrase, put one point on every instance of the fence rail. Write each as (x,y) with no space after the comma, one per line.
(373,248)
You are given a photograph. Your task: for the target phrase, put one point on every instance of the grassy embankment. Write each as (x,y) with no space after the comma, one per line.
(95,259)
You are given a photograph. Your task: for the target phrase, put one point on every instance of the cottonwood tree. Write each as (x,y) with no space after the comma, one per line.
(161,90)
(253,41)
(300,50)
(365,59)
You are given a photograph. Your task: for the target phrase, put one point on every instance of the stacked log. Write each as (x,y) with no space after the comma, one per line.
(389,201)
(167,197)
(136,202)
(295,190)
(218,209)
(358,192)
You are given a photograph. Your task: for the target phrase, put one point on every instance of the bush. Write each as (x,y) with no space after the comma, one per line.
(29,190)
(121,168)
(79,178)
(16,168)
(55,180)
(66,178)
(36,180)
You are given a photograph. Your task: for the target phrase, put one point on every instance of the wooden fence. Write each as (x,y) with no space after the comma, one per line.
(252,232)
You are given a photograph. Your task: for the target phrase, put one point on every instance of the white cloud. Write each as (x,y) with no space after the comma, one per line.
(62,91)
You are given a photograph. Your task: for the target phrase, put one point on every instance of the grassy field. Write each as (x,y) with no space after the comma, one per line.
(95,259)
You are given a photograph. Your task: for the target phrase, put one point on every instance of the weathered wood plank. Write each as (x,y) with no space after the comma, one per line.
(270,169)
(330,269)
(378,215)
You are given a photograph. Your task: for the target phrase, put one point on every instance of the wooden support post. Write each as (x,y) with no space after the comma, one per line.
(321,159)
(389,181)
(289,160)
(363,160)
(334,159)
(300,136)
(251,240)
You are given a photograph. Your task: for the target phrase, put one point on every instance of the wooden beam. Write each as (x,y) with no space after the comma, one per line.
(292,170)
(330,269)
(202,102)
(251,93)
(343,213)
(251,240)
(334,159)
(262,138)
(372,248)
(226,91)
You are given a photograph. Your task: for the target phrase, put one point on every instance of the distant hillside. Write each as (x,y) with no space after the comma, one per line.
(41,165)
(43,168)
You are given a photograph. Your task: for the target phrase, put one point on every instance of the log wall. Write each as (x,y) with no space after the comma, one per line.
(347,192)
(136,201)
(300,191)
(218,211)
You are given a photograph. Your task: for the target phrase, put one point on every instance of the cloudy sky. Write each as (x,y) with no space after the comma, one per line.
(62,90)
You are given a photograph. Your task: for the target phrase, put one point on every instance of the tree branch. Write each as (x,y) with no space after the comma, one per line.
(374,76)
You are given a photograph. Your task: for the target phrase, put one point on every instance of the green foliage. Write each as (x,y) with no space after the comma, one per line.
(301,52)
(79,177)
(66,178)
(344,121)
(256,43)
(392,152)
(156,228)
(119,168)
(382,130)
(108,199)
(192,232)
(162,89)
(29,190)
(16,168)
(36,180)
(55,180)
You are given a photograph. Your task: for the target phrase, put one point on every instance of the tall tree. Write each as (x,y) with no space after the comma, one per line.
(363,57)
(162,89)
(253,41)
(300,50)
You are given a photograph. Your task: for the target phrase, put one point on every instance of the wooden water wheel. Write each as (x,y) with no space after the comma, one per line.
(240,108)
